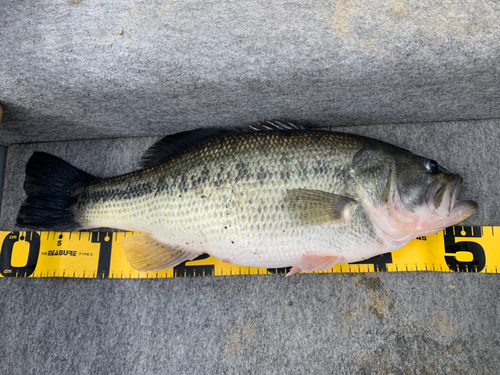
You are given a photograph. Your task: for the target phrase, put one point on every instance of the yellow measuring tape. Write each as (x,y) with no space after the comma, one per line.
(100,255)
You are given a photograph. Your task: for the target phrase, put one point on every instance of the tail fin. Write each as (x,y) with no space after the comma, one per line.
(51,186)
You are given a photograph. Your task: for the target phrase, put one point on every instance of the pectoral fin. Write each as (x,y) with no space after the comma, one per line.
(309,263)
(319,207)
(147,254)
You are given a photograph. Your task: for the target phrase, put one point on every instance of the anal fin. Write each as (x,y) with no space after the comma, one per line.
(310,263)
(146,254)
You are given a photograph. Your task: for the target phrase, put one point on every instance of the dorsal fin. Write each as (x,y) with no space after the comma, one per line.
(275,125)
(175,143)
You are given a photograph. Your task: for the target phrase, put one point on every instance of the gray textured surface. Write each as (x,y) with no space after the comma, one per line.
(337,324)
(406,323)
(67,73)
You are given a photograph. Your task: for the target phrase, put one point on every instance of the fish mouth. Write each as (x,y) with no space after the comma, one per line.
(442,199)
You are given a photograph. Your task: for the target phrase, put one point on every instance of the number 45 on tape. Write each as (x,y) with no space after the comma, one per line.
(100,255)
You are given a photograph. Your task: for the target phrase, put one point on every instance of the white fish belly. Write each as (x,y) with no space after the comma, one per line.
(243,235)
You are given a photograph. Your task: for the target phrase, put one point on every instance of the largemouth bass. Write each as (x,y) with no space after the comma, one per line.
(278,196)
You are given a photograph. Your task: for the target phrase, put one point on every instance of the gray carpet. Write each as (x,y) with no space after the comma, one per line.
(68,73)
(337,324)
(406,323)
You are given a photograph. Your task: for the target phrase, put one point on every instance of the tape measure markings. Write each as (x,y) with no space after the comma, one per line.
(100,255)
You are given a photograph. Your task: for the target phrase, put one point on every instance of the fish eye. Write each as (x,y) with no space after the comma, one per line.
(432,166)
